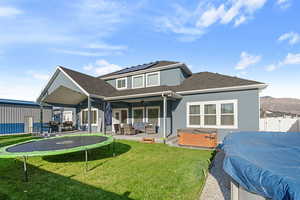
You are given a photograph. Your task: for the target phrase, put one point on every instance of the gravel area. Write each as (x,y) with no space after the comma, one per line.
(217,186)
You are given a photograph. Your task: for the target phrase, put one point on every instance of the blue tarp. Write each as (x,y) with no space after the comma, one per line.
(264,163)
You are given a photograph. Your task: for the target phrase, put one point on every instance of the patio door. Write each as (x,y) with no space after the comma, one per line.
(119,116)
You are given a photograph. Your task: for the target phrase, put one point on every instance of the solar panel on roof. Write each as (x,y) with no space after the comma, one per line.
(136,68)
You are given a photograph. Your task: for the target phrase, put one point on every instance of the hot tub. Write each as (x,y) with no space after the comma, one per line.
(198,137)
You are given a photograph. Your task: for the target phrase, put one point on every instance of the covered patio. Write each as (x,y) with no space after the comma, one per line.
(99,107)
(68,88)
(145,109)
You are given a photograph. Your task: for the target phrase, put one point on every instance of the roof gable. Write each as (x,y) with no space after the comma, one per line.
(90,84)
(153,66)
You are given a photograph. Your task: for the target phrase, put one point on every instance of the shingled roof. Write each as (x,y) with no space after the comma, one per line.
(197,81)
(90,84)
(208,80)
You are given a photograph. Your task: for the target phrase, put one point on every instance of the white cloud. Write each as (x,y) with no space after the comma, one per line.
(87,53)
(290,59)
(210,16)
(101,67)
(283,3)
(291,37)
(26,30)
(9,11)
(195,22)
(102,15)
(9,90)
(84,22)
(240,20)
(270,68)
(246,60)
(105,46)
(38,76)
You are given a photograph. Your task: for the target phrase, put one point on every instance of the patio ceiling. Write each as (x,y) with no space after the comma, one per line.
(64,95)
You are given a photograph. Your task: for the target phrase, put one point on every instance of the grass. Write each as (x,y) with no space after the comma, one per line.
(139,171)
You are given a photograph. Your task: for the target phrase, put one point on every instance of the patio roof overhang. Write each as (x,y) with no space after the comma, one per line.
(64,96)
(61,89)
(145,96)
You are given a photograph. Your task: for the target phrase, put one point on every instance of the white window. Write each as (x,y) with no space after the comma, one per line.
(138,114)
(227,114)
(153,79)
(67,116)
(153,115)
(212,114)
(194,115)
(94,117)
(121,83)
(138,81)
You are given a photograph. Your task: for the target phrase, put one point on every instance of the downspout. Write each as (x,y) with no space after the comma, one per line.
(41,119)
(165,116)
(89,115)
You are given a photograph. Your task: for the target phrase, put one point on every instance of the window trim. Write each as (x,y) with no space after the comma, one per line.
(137,108)
(151,107)
(218,114)
(152,73)
(120,79)
(92,109)
(140,75)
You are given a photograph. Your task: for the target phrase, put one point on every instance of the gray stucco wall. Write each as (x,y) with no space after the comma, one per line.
(248,110)
(172,77)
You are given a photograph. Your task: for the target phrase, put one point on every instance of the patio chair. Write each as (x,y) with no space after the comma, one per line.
(117,129)
(129,130)
(140,126)
(150,129)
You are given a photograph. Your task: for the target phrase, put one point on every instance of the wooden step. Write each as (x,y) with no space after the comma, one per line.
(148,140)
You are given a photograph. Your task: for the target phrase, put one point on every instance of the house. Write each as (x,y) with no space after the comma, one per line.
(164,93)
(18,116)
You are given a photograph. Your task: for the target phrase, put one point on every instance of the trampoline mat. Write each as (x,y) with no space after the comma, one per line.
(61,143)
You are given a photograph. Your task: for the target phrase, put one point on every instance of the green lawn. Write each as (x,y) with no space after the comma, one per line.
(139,171)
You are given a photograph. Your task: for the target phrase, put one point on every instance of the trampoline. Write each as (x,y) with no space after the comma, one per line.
(56,146)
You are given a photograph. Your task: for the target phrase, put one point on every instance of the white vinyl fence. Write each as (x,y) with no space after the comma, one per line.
(280,124)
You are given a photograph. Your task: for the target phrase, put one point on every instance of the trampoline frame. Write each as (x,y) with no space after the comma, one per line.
(25,155)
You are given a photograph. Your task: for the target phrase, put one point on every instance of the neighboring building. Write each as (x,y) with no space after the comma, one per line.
(164,93)
(21,116)
(274,114)
(277,121)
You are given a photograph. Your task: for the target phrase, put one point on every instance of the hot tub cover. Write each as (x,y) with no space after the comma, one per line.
(266,163)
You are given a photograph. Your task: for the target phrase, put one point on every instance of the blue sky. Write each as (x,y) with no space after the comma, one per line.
(253,39)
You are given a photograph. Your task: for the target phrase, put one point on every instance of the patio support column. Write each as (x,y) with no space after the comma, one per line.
(165,118)
(89,115)
(41,119)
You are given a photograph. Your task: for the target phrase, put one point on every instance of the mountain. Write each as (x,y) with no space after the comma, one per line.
(286,105)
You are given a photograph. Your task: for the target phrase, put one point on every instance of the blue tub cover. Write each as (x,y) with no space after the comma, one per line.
(266,163)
